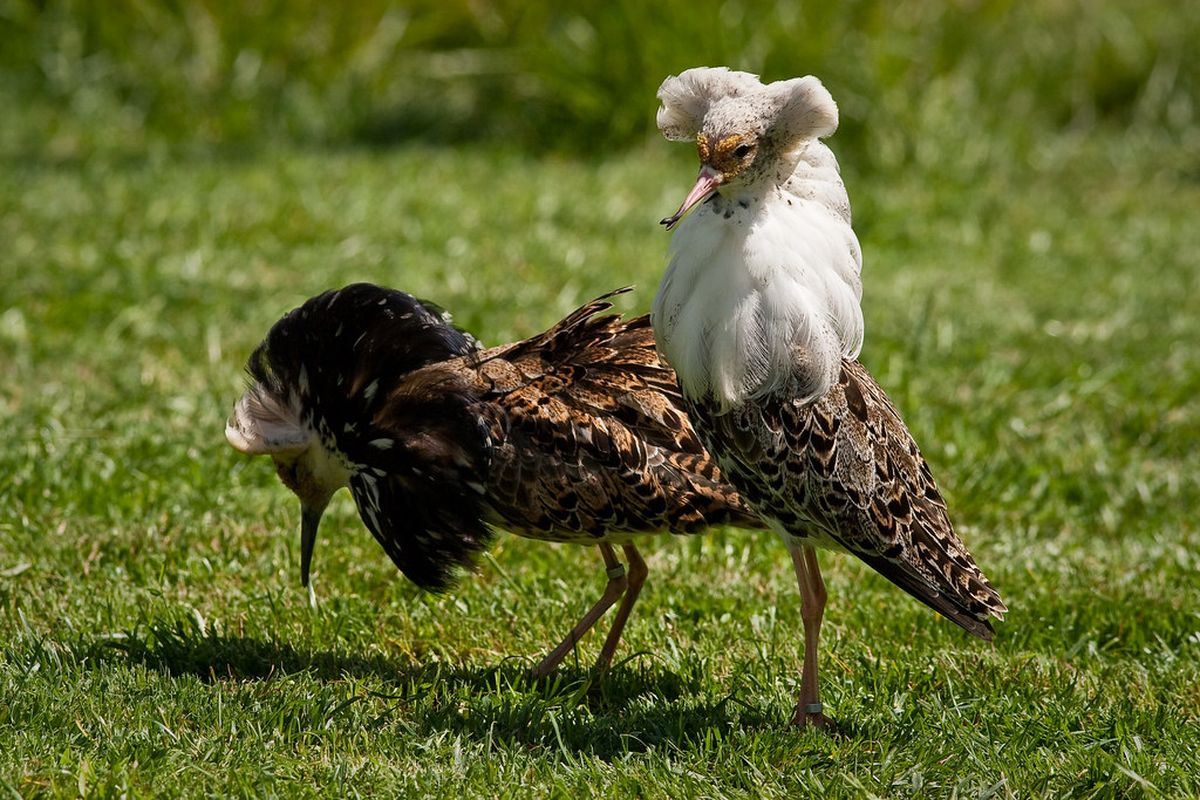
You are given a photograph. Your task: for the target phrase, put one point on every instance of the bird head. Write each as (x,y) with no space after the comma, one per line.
(745,132)
(263,425)
(324,380)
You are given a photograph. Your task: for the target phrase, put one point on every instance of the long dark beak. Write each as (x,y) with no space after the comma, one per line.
(310,520)
(707,183)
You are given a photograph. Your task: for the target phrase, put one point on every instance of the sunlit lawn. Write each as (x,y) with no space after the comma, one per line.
(1035,322)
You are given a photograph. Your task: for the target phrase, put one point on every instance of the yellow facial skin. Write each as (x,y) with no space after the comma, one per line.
(728,162)
(729,155)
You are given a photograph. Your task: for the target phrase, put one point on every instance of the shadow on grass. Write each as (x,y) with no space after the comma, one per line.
(632,708)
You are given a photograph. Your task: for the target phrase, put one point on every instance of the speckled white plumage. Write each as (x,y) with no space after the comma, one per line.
(759,315)
(764,275)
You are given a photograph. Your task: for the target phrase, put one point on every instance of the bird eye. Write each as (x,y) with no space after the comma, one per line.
(741,151)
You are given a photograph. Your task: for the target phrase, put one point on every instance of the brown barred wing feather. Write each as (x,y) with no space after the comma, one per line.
(591,438)
(844,471)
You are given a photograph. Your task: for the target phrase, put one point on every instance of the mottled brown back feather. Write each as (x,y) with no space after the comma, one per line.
(844,471)
(576,434)
(589,437)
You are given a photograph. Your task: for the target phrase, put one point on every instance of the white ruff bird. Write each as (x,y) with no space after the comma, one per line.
(759,315)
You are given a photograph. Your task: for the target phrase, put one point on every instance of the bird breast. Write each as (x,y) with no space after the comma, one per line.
(760,292)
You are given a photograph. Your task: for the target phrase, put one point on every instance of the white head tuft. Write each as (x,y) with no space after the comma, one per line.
(686,98)
(803,108)
(262,424)
(800,108)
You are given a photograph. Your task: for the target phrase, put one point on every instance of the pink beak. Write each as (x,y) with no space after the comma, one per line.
(706,184)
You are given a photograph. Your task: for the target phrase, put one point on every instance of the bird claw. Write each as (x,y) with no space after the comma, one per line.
(810,715)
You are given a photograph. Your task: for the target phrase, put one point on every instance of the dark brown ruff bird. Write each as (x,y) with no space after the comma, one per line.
(575,435)
(759,315)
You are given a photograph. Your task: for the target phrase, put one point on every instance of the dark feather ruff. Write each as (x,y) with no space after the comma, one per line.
(345,355)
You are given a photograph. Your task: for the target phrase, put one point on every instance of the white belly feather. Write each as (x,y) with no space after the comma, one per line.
(760,290)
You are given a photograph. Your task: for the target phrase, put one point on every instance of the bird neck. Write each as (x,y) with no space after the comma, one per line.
(326,468)
(762,288)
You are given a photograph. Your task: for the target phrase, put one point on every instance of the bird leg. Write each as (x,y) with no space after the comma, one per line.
(637,577)
(617,583)
(812,609)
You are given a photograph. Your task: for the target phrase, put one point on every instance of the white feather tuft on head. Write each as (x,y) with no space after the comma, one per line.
(805,108)
(686,97)
(799,108)
(261,424)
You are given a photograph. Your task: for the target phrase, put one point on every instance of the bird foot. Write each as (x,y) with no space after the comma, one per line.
(810,715)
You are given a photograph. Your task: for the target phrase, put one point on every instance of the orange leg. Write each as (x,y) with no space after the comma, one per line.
(637,577)
(812,608)
(617,584)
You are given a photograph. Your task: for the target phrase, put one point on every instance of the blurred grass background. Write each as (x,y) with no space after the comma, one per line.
(175,175)
(910,77)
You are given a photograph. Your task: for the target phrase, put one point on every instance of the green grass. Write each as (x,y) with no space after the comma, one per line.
(1027,213)
(126,75)
(1037,330)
